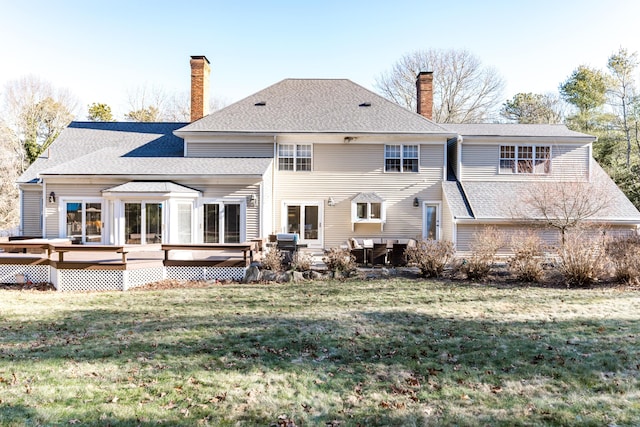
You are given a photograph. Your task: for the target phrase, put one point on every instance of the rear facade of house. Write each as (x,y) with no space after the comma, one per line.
(326,159)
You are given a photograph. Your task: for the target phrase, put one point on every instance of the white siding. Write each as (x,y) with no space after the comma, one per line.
(446,222)
(480,163)
(342,171)
(31,211)
(212,149)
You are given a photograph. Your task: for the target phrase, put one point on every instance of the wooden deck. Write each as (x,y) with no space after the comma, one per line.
(144,262)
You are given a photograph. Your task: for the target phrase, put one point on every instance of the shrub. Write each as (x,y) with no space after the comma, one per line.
(339,260)
(581,259)
(528,256)
(302,261)
(624,255)
(484,248)
(273,260)
(430,256)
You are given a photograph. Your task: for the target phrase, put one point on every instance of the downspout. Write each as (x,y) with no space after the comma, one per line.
(43,212)
(273,183)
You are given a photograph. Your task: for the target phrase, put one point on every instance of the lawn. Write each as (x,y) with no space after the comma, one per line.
(393,352)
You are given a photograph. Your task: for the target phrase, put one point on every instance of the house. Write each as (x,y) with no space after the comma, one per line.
(327,159)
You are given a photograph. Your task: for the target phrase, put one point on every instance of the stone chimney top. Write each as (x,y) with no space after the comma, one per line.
(424,87)
(200,70)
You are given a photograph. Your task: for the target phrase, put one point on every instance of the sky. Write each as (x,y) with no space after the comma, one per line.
(105,51)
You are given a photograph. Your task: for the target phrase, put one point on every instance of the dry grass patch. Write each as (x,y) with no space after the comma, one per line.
(393,352)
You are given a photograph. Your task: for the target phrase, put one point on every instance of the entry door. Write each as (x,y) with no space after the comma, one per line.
(143,223)
(431,221)
(305,219)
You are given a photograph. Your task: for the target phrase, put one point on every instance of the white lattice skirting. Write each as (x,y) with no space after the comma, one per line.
(113,280)
(30,273)
(205,273)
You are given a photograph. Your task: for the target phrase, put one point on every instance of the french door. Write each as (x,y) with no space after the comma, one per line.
(83,221)
(143,223)
(305,219)
(223,223)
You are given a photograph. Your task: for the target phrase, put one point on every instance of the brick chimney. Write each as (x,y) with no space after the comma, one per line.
(424,87)
(200,70)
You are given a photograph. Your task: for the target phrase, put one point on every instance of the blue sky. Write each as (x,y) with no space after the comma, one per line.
(100,51)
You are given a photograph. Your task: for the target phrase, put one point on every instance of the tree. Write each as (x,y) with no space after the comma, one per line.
(100,113)
(463,90)
(622,66)
(148,114)
(35,114)
(10,158)
(530,108)
(564,205)
(586,90)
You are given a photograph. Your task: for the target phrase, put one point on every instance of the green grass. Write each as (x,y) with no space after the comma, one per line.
(390,352)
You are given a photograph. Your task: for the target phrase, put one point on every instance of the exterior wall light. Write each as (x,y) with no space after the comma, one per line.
(52,197)
(252,201)
(416,202)
(331,202)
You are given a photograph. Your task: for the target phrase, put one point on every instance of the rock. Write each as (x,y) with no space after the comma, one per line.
(252,274)
(284,277)
(298,277)
(269,276)
(315,275)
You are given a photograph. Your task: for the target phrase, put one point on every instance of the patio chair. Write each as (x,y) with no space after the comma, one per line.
(379,254)
(358,252)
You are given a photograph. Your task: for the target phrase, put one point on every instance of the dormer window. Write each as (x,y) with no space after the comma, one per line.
(525,159)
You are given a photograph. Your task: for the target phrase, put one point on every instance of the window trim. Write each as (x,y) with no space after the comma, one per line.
(515,170)
(402,158)
(221,219)
(295,157)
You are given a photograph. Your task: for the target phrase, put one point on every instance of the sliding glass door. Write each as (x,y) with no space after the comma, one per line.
(143,223)
(222,223)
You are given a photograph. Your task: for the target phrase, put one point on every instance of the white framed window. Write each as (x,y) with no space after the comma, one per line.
(401,158)
(368,208)
(525,159)
(295,157)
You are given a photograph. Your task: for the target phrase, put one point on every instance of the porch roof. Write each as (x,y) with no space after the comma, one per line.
(164,187)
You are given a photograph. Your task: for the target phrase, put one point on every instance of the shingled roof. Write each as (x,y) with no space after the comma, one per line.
(315,106)
(506,200)
(128,148)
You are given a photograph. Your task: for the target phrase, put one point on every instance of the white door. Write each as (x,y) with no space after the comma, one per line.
(431,220)
(305,219)
(143,222)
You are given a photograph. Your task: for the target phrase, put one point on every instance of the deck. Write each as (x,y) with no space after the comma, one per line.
(112,267)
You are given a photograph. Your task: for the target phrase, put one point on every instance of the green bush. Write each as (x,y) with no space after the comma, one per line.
(430,256)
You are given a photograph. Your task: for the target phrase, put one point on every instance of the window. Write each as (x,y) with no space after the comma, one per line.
(294,157)
(368,210)
(401,158)
(525,159)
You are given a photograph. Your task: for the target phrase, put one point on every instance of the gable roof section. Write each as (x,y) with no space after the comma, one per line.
(516,130)
(131,148)
(505,200)
(314,106)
